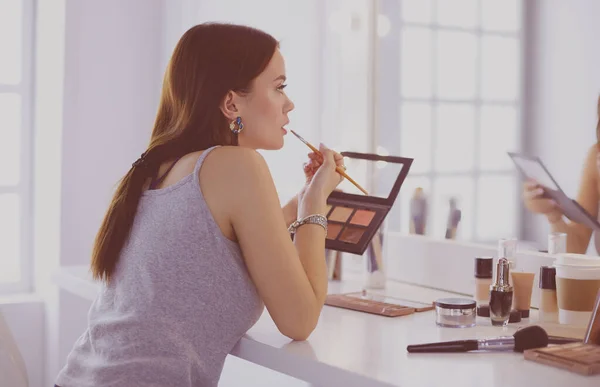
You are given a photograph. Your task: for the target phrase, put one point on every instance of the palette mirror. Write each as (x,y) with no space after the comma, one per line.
(353,217)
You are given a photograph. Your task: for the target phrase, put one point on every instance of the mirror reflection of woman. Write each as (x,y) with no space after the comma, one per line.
(578,235)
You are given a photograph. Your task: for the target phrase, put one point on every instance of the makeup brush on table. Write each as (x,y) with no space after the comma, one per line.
(530,337)
(339,170)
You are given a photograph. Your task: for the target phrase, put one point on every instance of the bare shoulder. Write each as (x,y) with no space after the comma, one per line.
(232,176)
(229,154)
(236,165)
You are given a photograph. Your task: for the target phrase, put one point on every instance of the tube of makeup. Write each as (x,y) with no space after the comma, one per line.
(522,288)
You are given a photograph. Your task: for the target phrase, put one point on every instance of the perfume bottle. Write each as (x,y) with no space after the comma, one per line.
(501,294)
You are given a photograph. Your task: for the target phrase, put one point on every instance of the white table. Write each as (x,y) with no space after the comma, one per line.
(350,348)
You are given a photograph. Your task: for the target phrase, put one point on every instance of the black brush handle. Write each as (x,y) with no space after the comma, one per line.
(446,346)
(562,340)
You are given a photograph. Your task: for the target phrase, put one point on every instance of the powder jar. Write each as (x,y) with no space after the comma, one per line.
(455,312)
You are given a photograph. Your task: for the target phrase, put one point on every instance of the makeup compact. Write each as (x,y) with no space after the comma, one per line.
(376,303)
(354,219)
(455,312)
(582,358)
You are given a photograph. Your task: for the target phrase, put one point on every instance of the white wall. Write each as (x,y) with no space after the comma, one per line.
(112,86)
(565,84)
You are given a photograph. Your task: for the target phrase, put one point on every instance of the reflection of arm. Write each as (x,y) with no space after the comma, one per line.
(578,235)
(290,210)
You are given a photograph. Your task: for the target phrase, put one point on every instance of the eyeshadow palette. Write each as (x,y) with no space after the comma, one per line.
(577,357)
(354,219)
(376,304)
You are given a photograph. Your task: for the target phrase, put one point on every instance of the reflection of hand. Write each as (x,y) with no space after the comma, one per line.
(534,200)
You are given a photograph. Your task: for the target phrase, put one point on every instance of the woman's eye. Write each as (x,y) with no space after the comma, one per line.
(281,87)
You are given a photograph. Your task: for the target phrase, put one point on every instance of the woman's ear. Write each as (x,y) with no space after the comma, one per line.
(228,106)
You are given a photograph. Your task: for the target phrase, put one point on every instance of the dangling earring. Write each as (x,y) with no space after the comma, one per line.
(239,123)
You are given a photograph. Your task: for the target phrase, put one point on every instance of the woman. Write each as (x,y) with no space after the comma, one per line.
(188,259)
(578,235)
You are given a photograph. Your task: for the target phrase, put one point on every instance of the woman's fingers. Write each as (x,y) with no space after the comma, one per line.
(533,193)
(316,157)
(531,184)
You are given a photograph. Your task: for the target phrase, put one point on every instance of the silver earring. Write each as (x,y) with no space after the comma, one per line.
(237,122)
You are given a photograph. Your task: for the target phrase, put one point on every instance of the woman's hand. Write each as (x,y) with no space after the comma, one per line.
(290,210)
(321,173)
(533,197)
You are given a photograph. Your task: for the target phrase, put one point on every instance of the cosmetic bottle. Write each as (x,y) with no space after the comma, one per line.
(548,303)
(501,294)
(507,248)
(484,268)
(557,243)
(376,277)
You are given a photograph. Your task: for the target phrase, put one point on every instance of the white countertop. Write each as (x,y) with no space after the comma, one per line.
(350,348)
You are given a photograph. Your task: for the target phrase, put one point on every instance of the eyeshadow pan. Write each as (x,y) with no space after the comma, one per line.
(362,217)
(340,214)
(333,230)
(352,234)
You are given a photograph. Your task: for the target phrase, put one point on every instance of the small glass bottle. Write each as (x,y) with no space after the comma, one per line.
(501,294)
(548,303)
(484,267)
(507,248)
(557,243)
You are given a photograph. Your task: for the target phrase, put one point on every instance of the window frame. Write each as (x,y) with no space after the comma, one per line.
(394,14)
(24,188)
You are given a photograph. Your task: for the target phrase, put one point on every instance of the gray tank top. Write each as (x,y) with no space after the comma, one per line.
(180,299)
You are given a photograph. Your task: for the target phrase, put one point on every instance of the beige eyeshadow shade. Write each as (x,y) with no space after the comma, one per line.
(362,217)
(340,214)
(352,234)
(333,230)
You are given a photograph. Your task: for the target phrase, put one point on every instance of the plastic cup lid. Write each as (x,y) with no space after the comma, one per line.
(577,260)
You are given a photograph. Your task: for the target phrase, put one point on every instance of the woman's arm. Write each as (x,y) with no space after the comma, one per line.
(290,276)
(578,235)
(290,210)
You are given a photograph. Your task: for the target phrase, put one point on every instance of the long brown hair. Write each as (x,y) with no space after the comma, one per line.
(208,61)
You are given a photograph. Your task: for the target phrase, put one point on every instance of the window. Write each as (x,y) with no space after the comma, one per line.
(449,91)
(16,22)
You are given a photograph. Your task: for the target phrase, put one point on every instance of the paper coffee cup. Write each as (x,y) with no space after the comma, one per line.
(577,284)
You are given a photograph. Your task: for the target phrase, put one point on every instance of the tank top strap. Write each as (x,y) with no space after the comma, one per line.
(156,181)
(201,159)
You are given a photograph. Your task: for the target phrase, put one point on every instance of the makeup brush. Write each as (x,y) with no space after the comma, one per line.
(527,338)
(339,170)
